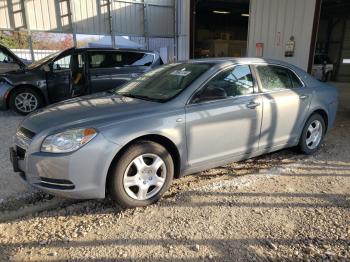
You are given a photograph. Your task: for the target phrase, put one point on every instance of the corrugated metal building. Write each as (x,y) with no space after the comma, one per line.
(271,24)
(274,22)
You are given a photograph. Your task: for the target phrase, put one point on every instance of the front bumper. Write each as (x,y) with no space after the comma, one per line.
(4,91)
(81,174)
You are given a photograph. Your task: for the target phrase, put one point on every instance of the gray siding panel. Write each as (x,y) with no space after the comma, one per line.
(183,29)
(91,16)
(273,22)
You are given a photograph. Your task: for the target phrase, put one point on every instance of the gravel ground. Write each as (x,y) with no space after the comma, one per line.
(280,207)
(11,185)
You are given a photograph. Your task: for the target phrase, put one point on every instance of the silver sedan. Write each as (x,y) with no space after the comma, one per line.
(178,119)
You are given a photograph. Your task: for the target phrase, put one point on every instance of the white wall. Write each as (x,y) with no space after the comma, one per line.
(273,22)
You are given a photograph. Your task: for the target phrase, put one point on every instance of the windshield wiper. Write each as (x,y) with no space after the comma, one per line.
(147,98)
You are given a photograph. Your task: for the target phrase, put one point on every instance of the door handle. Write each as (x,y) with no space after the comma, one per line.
(303,97)
(253,105)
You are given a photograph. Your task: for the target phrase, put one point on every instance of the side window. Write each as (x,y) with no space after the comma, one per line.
(4,58)
(106,59)
(235,81)
(295,80)
(97,60)
(80,61)
(62,63)
(274,78)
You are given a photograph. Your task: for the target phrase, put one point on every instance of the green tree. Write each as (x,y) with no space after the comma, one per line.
(13,39)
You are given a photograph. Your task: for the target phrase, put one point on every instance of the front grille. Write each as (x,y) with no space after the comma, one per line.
(53,183)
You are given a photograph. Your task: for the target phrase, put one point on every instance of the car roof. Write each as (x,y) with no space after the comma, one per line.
(112,49)
(246,60)
(243,60)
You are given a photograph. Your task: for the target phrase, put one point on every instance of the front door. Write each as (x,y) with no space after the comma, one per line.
(285,101)
(59,79)
(223,119)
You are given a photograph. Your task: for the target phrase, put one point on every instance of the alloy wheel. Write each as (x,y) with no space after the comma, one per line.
(26,102)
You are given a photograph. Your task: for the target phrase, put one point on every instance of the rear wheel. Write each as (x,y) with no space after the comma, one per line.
(25,100)
(313,134)
(141,175)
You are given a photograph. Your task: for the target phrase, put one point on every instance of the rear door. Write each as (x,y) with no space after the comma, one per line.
(100,68)
(286,102)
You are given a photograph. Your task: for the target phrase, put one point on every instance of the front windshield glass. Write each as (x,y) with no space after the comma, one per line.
(43,60)
(164,83)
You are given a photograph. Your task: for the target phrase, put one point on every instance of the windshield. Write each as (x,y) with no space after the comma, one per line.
(43,60)
(165,82)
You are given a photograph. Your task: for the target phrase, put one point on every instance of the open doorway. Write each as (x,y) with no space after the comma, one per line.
(219,28)
(332,53)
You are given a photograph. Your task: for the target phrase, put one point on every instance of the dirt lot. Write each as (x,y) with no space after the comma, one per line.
(282,206)
(11,185)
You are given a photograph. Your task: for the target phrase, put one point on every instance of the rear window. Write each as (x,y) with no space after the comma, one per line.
(275,78)
(110,59)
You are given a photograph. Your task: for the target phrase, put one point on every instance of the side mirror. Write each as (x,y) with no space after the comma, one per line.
(46,68)
(211,93)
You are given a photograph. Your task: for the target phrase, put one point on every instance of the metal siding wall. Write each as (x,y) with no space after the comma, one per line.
(91,16)
(160,21)
(127,18)
(183,29)
(273,22)
(4,15)
(42,15)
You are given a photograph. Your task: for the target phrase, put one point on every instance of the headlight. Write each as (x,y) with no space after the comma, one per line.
(68,141)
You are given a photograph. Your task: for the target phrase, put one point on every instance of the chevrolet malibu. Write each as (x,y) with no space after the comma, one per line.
(177,119)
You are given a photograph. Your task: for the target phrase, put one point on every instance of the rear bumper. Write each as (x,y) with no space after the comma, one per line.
(332,112)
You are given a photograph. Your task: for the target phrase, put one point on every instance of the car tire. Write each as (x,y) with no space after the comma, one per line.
(312,135)
(25,100)
(136,180)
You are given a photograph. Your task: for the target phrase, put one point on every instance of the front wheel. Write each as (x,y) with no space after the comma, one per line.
(25,101)
(312,135)
(141,175)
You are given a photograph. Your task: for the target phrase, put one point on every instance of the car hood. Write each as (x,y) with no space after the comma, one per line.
(21,76)
(94,110)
